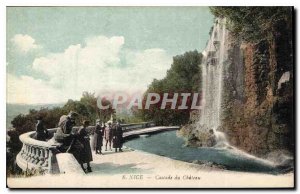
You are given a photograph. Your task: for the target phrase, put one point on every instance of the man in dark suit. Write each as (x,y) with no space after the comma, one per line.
(41,131)
(98,137)
(118,137)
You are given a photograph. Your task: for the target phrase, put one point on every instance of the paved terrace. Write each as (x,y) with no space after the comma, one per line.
(130,169)
(39,155)
(136,169)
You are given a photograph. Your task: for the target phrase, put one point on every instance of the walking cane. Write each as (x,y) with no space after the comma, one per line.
(71,145)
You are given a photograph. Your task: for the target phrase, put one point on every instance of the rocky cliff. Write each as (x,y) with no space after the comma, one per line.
(258,117)
(257,98)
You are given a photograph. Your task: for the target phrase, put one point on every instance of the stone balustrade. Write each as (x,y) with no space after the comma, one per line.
(135,126)
(37,155)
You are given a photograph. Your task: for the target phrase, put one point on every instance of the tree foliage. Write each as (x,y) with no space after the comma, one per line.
(184,76)
(254,23)
(86,107)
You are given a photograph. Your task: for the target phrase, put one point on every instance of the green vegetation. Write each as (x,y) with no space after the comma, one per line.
(184,76)
(266,34)
(128,118)
(86,107)
(253,24)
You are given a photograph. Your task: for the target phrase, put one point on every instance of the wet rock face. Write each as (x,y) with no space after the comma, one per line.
(257,99)
(261,119)
(195,135)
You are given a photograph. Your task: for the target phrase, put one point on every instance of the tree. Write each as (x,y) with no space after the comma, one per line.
(86,107)
(253,24)
(25,123)
(184,76)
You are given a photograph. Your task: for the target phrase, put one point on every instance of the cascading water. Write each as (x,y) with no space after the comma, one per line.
(168,144)
(214,57)
(214,60)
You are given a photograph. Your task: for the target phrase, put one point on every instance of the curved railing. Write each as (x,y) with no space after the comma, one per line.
(39,155)
(36,154)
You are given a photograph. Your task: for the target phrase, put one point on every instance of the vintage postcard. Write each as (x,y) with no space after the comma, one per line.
(150,97)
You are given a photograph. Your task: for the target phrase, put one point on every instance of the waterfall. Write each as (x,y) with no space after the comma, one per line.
(213,65)
(214,57)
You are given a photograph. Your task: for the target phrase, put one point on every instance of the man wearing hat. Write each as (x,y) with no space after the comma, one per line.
(66,122)
(63,133)
(108,136)
(98,137)
(118,137)
(41,131)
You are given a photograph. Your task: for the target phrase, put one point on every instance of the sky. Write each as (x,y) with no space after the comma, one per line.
(56,53)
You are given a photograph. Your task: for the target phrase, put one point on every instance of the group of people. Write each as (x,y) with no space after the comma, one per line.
(77,142)
(111,134)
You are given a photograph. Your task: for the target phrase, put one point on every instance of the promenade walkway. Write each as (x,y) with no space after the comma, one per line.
(136,169)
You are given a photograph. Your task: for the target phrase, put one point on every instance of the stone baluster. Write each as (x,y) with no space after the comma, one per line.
(23,151)
(32,149)
(41,156)
(46,158)
(36,155)
(28,154)
(50,170)
(32,154)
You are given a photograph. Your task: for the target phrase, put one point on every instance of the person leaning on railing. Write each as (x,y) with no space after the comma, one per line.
(41,131)
(63,134)
(76,143)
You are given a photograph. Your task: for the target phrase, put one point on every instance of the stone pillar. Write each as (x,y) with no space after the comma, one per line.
(68,164)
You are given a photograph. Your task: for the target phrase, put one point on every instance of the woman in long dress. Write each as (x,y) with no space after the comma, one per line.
(117,137)
(98,138)
(86,152)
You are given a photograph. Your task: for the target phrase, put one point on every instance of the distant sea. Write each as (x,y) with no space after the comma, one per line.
(12,110)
